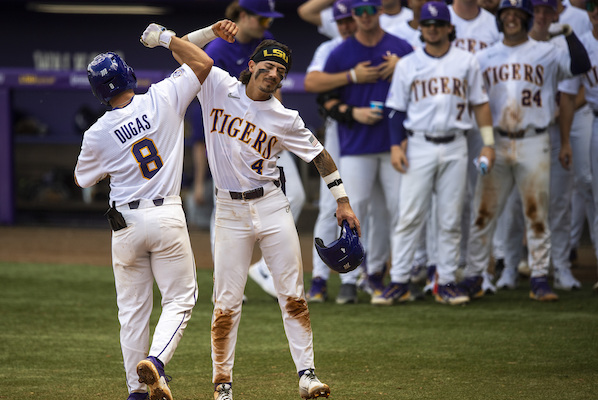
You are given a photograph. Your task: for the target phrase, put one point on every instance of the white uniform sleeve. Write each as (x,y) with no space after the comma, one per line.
(570,86)
(398,94)
(88,170)
(321,55)
(563,60)
(328,27)
(301,141)
(477,91)
(180,87)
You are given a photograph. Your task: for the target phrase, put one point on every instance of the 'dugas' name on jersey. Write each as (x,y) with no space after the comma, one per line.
(224,124)
(130,129)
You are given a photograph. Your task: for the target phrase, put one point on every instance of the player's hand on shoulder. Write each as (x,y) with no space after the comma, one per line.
(387,68)
(398,157)
(226,30)
(367,115)
(365,73)
(344,211)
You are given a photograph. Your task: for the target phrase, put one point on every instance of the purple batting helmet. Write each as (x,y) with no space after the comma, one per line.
(109,75)
(523,5)
(344,254)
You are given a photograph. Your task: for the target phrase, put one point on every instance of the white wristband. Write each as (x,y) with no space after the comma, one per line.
(335,184)
(165,38)
(201,37)
(353,75)
(487,133)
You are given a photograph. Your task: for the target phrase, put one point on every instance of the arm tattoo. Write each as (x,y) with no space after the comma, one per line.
(324,163)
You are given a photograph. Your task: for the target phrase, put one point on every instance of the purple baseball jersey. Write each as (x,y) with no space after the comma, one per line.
(359,138)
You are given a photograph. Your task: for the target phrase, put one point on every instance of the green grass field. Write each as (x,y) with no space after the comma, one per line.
(59,340)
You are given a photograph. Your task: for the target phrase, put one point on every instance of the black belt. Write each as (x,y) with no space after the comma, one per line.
(135,204)
(518,134)
(250,194)
(435,139)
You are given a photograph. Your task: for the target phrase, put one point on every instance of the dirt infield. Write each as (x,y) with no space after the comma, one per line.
(92,247)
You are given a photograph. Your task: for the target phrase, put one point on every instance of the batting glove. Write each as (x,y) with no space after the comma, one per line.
(560,29)
(156,35)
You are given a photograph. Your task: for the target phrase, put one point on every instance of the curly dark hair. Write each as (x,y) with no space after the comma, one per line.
(246,75)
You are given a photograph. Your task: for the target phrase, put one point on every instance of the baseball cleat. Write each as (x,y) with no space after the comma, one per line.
(310,386)
(564,279)
(540,290)
(450,294)
(224,391)
(394,292)
(472,286)
(347,294)
(430,279)
(138,396)
(487,285)
(151,372)
(376,283)
(508,279)
(318,293)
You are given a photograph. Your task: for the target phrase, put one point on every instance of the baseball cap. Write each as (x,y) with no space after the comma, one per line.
(341,9)
(435,10)
(546,3)
(360,3)
(263,8)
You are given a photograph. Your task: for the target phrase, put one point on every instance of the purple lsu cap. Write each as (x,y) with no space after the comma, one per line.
(360,3)
(341,9)
(435,10)
(545,3)
(263,8)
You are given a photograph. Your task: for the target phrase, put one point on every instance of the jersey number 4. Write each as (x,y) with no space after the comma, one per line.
(147,157)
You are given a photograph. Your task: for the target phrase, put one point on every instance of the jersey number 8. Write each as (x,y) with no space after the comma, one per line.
(147,156)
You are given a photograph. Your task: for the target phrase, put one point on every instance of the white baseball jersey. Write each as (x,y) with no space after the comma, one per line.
(321,54)
(406,32)
(579,20)
(436,92)
(388,21)
(523,77)
(242,140)
(588,79)
(141,145)
(475,34)
(328,25)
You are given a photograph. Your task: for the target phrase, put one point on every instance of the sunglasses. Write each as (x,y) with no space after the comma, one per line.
(369,10)
(264,22)
(434,22)
(591,5)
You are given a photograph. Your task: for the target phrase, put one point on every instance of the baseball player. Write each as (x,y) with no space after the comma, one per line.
(363,131)
(430,94)
(253,18)
(589,80)
(318,81)
(139,145)
(245,129)
(521,76)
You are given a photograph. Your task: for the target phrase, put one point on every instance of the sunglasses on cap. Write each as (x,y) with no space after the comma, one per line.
(369,10)
(591,5)
(264,22)
(433,22)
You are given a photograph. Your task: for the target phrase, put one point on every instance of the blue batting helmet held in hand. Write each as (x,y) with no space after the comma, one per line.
(524,5)
(344,254)
(109,75)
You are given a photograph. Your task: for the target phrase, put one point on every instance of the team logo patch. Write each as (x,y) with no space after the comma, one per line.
(433,10)
(342,8)
(177,73)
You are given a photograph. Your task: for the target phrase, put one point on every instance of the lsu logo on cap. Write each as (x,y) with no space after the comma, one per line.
(433,10)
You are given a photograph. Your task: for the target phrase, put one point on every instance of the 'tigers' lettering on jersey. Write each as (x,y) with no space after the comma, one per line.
(592,76)
(421,89)
(132,128)
(514,72)
(232,128)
